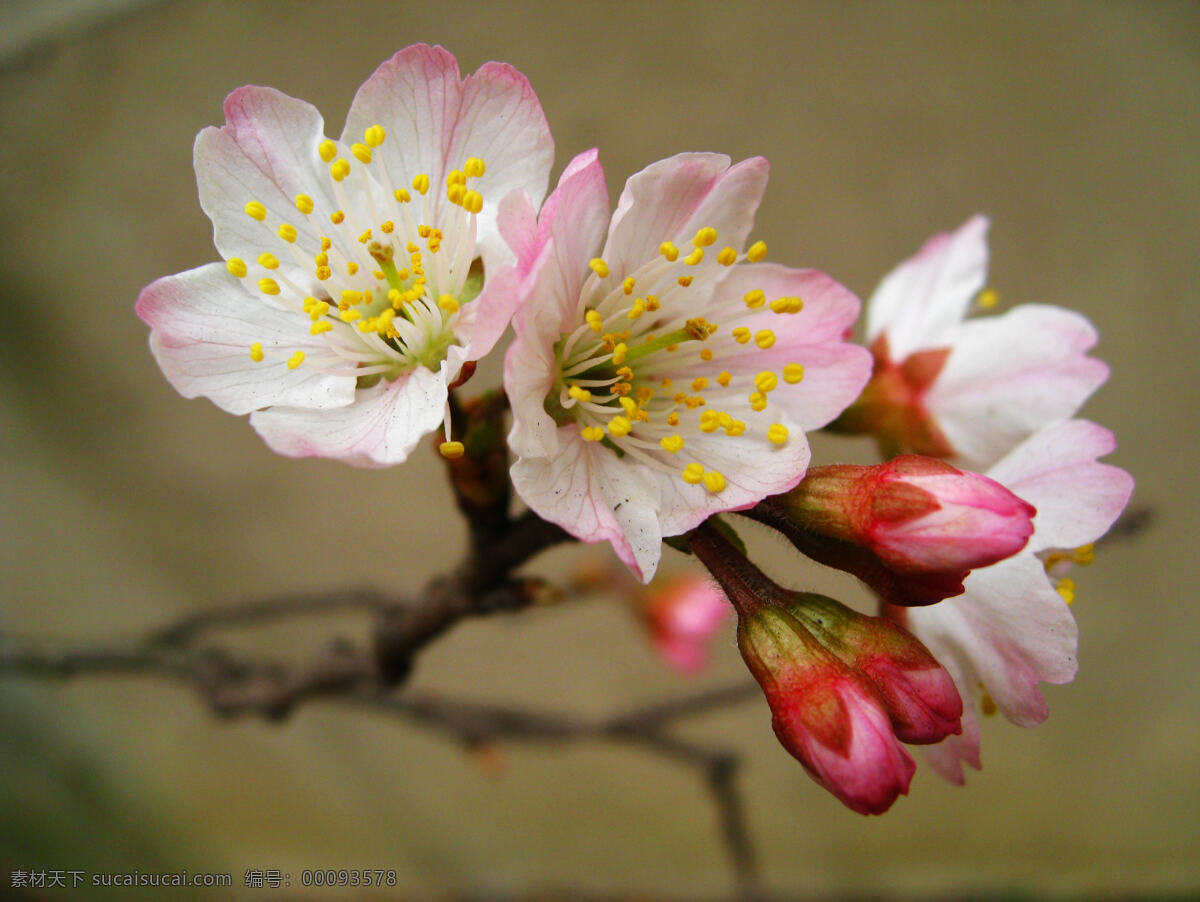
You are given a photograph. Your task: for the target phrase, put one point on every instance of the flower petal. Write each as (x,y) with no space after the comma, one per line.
(921,301)
(1007,376)
(380,429)
(673,198)
(435,120)
(591,494)
(1077,499)
(204,323)
(835,370)
(266,152)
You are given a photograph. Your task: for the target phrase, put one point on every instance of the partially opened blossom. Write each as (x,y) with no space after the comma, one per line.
(663,372)
(349,299)
(1012,627)
(970,389)
(911,528)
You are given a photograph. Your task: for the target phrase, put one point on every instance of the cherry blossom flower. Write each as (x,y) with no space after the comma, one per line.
(1011,629)
(662,372)
(970,389)
(349,299)
(682,615)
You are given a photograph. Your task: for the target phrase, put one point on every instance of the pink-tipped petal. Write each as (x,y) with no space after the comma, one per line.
(204,324)
(1007,376)
(921,302)
(380,429)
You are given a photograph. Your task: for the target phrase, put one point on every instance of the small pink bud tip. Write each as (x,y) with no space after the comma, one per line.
(683,614)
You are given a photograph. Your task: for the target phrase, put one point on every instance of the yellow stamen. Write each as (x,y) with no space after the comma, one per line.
(723,378)
(295,360)
(327,149)
(321,326)
(421,183)
(474,167)
(599,267)
(256,352)
(268,261)
(741,335)
(699,383)
(669,250)
(672,443)
(349,315)
(582,395)
(988,299)
(340,169)
(765,381)
(627,285)
(710,421)
(448,303)
(337,217)
(764,338)
(684,281)
(255,210)
(595,320)
(693,473)
(1066,588)
(755,299)
(714,481)
(592,433)
(706,354)
(758,401)
(236,267)
(787,305)
(727,256)
(402,196)
(619,352)
(268,286)
(777,433)
(304,203)
(362,152)
(287,233)
(619,426)
(757,251)
(706,237)
(374,135)
(452,450)
(694,257)
(472,202)
(793,373)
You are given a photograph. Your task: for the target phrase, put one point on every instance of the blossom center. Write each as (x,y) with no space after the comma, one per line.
(380,272)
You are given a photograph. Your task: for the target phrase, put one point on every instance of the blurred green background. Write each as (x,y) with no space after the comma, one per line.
(1074,125)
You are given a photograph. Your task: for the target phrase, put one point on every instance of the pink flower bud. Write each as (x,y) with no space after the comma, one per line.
(683,614)
(911,528)
(844,689)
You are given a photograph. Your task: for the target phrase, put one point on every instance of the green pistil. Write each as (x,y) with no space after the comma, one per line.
(679,336)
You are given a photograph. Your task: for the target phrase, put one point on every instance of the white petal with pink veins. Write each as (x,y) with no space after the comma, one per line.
(1007,376)
(921,302)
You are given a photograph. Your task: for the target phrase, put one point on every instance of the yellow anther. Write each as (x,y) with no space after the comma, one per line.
(651,302)
(364,237)
(268,286)
(255,210)
(595,321)
(402,196)
(323,273)
(988,299)
(326,243)
(777,433)
(758,401)
(268,261)
(395,298)
(755,299)
(765,381)
(472,202)
(987,704)
(362,152)
(793,373)
(456,193)
(644,394)
(287,233)
(383,322)
(736,428)
(327,149)
(1066,588)
(456,177)
(592,433)
(628,405)
(339,169)
(741,335)
(337,217)
(599,267)
(236,266)
(420,184)
(619,352)
(764,338)
(669,250)
(710,421)
(256,352)
(699,328)
(424,231)
(582,395)
(787,305)
(351,267)
(627,285)
(727,257)
(1085,554)
(638,308)
(706,354)
(295,360)
(672,443)
(350,315)
(474,167)
(374,135)
(684,281)
(619,426)
(699,383)
(321,326)
(304,203)
(672,419)
(666,383)
(694,257)
(448,302)
(757,251)
(723,378)
(452,450)
(714,481)
(351,298)
(693,473)
(671,349)
(706,237)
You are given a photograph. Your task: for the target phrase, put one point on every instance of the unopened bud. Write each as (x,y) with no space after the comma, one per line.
(911,528)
